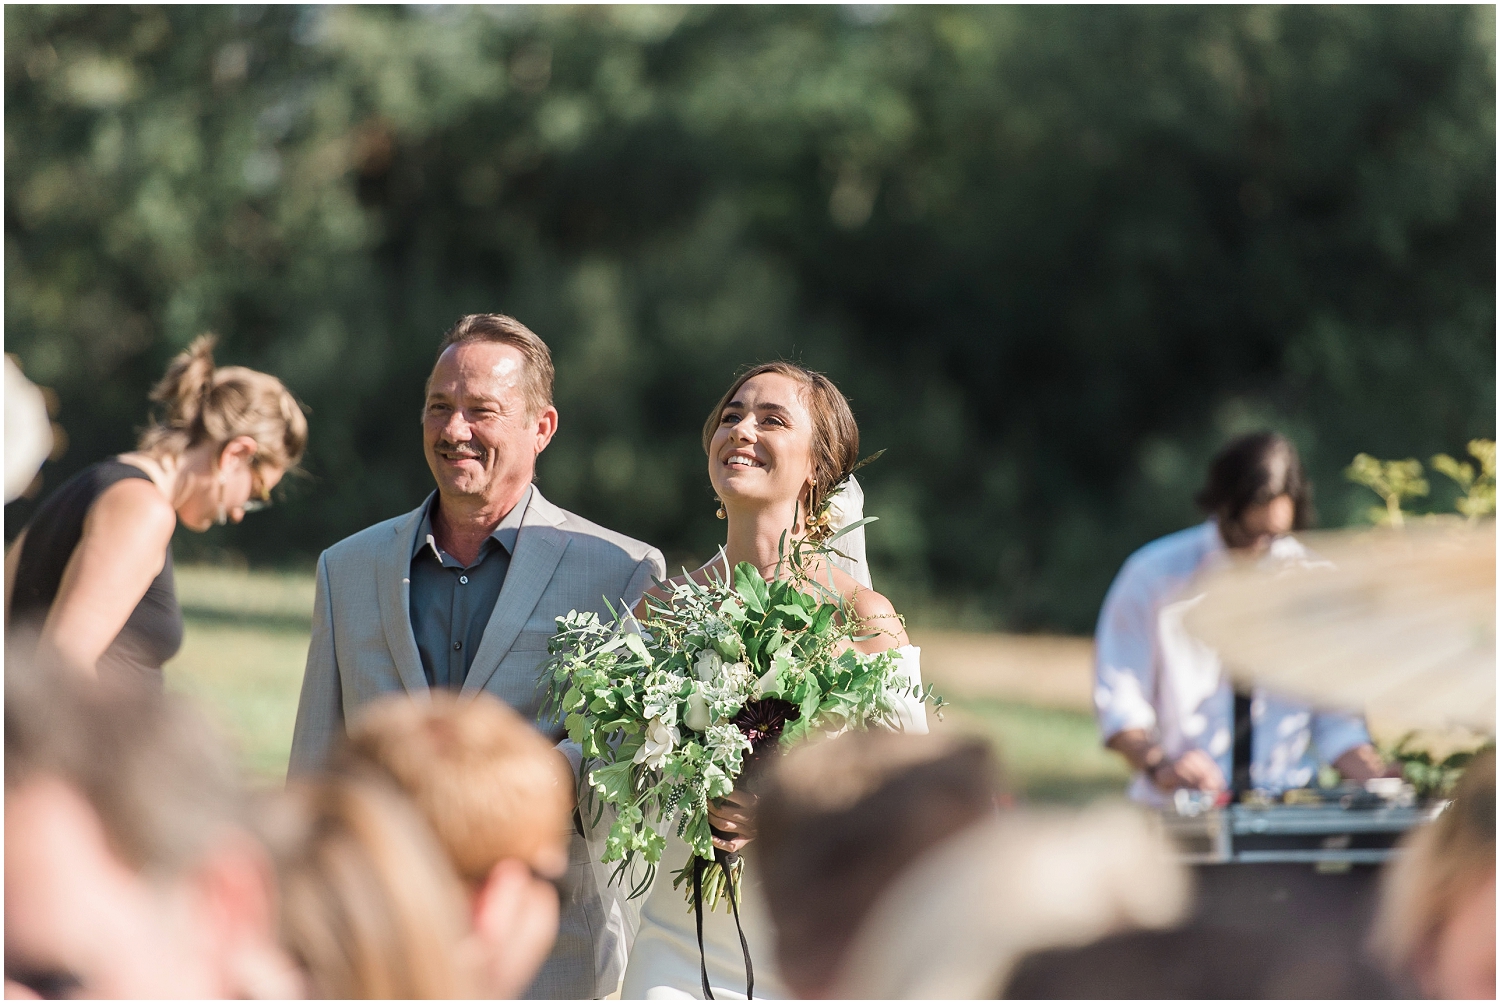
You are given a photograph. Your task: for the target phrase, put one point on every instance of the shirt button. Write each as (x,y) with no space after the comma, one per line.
(464,579)
(457,645)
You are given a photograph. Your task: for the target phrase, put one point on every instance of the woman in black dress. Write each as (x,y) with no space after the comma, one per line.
(91,575)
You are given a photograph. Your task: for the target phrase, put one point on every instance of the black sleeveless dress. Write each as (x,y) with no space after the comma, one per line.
(152,634)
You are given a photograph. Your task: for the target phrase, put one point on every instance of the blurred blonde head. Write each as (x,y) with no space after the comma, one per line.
(488,783)
(130,870)
(955,923)
(1436,921)
(370,907)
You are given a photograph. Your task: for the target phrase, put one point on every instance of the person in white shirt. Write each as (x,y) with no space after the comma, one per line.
(1160,695)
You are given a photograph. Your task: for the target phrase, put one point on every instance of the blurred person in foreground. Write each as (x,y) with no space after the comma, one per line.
(1435,926)
(1161,697)
(498,799)
(841,818)
(92,570)
(954,923)
(370,906)
(129,867)
(463,592)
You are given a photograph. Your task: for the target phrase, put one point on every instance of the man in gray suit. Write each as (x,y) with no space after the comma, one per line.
(463,592)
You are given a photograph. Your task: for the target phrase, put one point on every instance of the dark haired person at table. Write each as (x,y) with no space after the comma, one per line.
(92,571)
(1161,698)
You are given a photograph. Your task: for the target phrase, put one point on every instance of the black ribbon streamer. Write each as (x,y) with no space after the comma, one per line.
(726,860)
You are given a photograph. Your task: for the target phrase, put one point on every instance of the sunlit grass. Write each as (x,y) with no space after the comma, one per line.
(1049,755)
(243,656)
(246,646)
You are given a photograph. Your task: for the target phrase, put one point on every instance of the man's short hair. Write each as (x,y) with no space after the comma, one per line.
(488,783)
(161,780)
(840,819)
(506,330)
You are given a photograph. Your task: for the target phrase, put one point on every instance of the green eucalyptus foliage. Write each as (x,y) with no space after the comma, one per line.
(1054,255)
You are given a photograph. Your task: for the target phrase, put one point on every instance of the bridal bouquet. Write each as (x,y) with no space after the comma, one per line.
(670,716)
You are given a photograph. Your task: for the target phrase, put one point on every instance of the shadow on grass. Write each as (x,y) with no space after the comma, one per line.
(249,620)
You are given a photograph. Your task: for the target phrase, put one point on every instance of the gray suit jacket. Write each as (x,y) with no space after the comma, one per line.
(363,646)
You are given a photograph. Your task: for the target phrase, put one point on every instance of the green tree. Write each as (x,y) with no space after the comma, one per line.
(1054,255)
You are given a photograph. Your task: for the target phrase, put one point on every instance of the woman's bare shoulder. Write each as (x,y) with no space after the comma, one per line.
(877,615)
(135,504)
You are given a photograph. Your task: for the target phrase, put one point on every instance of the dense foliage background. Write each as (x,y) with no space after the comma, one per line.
(1055,256)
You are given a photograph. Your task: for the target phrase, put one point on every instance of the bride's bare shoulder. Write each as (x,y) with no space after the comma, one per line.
(876,613)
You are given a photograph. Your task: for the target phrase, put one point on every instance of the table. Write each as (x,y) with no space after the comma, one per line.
(1304,874)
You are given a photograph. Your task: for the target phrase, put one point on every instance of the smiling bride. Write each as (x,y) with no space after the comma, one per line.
(782,446)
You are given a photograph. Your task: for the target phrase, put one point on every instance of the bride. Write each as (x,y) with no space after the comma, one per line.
(781,441)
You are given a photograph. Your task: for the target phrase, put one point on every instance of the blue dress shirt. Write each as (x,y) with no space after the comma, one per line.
(451,603)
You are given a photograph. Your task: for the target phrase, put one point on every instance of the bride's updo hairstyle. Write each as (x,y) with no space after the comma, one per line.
(200,402)
(835,445)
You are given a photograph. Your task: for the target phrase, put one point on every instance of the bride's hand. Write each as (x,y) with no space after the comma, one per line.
(734,815)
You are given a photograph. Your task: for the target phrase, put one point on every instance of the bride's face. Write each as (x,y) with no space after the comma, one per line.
(761,452)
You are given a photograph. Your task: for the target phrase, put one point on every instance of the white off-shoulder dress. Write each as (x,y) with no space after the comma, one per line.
(664,958)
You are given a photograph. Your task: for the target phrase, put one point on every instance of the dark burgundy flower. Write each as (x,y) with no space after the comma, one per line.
(761,722)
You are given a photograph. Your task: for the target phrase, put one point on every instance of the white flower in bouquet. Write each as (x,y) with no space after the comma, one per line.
(737,675)
(709,664)
(661,739)
(697,716)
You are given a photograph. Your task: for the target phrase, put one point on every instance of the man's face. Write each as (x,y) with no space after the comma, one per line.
(1259,525)
(78,921)
(478,433)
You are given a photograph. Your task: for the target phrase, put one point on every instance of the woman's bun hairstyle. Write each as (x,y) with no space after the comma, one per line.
(200,402)
(181,391)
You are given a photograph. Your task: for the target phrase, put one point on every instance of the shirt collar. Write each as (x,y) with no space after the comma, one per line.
(504,534)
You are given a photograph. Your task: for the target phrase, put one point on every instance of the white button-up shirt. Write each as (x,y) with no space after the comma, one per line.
(1149,673)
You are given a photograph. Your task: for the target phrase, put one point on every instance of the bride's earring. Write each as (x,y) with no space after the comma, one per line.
(223,513)
(721,513)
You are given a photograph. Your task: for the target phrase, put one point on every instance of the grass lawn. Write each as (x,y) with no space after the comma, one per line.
(1049,754)
(243,655)
(246,644)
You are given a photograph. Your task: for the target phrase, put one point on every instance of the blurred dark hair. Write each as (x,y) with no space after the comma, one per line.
(1192,962)
(1254,469)
(840,819)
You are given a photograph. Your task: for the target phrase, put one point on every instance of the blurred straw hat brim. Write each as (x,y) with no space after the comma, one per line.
(1397,622)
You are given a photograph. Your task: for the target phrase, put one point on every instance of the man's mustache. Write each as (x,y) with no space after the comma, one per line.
(462,449)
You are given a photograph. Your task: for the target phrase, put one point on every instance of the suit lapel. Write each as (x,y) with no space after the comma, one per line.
(393,585)
(539,549)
